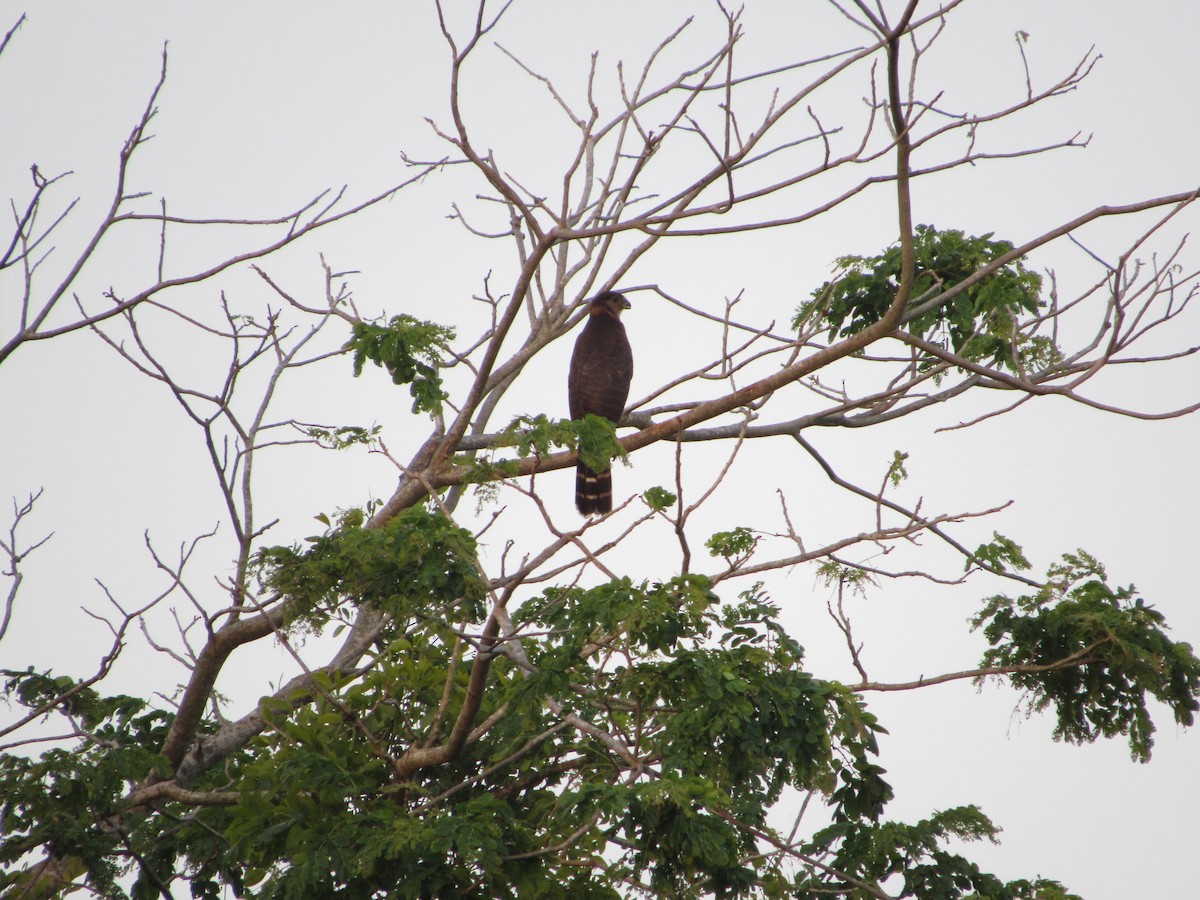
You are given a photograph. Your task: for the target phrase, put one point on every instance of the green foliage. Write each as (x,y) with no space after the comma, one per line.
(831,573)
(420,562)
(56,799)
(980,323)
(659,498)
(342,833)
(44,691)
(651,618)
(1036,354)
(916,856)
(539,435)
(598,444)
(725,715)
(1000,554)
(594,437)
(484,474)
(896,470)
(1039,889)
(720,696)
(344,436)
(411,351)
(861,792)
(717,693)
(731,545)
(714,697)
(1092,652)
(681,845)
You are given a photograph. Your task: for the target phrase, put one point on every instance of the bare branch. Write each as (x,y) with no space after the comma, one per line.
(11,547)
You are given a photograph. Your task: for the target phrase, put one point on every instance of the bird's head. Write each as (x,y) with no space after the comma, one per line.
(610,302)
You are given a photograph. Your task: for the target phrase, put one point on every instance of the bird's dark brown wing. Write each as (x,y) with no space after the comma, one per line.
(601,370)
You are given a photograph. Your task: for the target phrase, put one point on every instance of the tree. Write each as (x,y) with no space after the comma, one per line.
(491,697)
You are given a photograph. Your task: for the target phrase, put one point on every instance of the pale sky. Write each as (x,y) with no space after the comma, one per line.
(266,105)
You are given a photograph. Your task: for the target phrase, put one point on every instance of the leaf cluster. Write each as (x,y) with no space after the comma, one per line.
(55,800)
(1000,554)
(659,498)
(917,857)
(594,437)
(1093,653)
(419,562)
(722,706)
(344,436)
(411,350)
(980,323)
(736,544)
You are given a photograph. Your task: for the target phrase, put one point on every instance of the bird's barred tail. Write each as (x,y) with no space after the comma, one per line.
(593,491)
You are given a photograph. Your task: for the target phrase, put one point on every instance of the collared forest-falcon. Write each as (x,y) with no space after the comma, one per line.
(601,368)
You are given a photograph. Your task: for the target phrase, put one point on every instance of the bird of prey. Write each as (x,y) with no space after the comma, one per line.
(601,368)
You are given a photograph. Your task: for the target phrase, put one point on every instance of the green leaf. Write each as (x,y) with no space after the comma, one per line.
(659,498)
(738,543)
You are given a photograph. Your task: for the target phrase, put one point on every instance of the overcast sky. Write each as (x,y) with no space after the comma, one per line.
(268,104)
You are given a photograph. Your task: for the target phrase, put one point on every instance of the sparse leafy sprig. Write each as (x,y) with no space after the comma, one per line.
(344,436)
